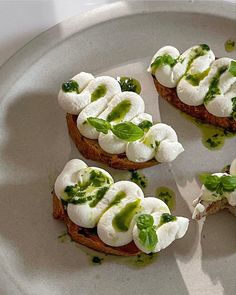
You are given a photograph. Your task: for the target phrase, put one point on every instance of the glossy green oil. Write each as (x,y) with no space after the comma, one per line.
(118,113)
(118,197)
(165,218)
(122,220)
(138,178)
(96,258)
(214,85)
(99,92)
(167,196)
(129,84)
(229,45)
(91,190)
(197,78)
(213,138)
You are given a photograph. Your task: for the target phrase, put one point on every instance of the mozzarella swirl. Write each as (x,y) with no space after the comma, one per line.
(114,212)
(198,78)
(101,97)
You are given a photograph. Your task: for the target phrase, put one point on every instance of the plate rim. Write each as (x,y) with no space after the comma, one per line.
(21,60)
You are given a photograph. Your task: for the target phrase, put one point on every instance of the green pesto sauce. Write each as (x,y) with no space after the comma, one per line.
(144,259)
(213,87)
(230,45)
(118,197)
(139,179)
(119,111)
(197,52)
(162,60)
(122,220)
(70,86)
(97,260)
(166,195)
(145,125)
(213,138)
(129,84)
(64,237)
(98,196)
(165,218)
(196,78)
(92,190)
(99,92)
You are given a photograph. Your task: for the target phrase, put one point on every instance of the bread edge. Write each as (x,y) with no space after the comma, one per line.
(86,237)
(198,112)
(90,149)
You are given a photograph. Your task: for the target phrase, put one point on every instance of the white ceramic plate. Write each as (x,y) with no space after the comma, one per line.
(118,39)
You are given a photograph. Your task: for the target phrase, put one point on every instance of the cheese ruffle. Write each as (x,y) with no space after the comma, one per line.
(198,78)
(115,212)
(99,97)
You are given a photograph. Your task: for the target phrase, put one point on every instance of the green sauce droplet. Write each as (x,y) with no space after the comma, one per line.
(145,259)
(213,138)
(118,197)
(99,92)
(129,84)
(97,260)
(195,53)
(166,195)
(92,190)
(196,78)
(139,179)
(230,45)
(122,220)
(213,87)
(118,113)
(165,218)
(70,86)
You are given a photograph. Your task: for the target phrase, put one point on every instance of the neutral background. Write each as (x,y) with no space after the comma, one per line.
(21,21)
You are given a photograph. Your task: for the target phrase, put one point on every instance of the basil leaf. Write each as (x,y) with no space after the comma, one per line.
(232,68)
(100,124)
(212,182)
(144,221)
(228,183)
(145,125)
(127,131)
(162,60)
(148,238)
(70,86)
(165,218)
(203,177)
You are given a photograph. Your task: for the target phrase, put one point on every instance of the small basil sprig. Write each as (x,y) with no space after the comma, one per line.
(147,234)
(225,183)
(126,131)
(99,124)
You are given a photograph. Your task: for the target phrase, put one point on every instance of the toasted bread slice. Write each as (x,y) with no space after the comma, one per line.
(90,149)
(199,112)
(88,237)
(216,207)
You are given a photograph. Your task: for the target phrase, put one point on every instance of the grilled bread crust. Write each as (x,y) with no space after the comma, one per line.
(90,149)
(199,112)
(88,237)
